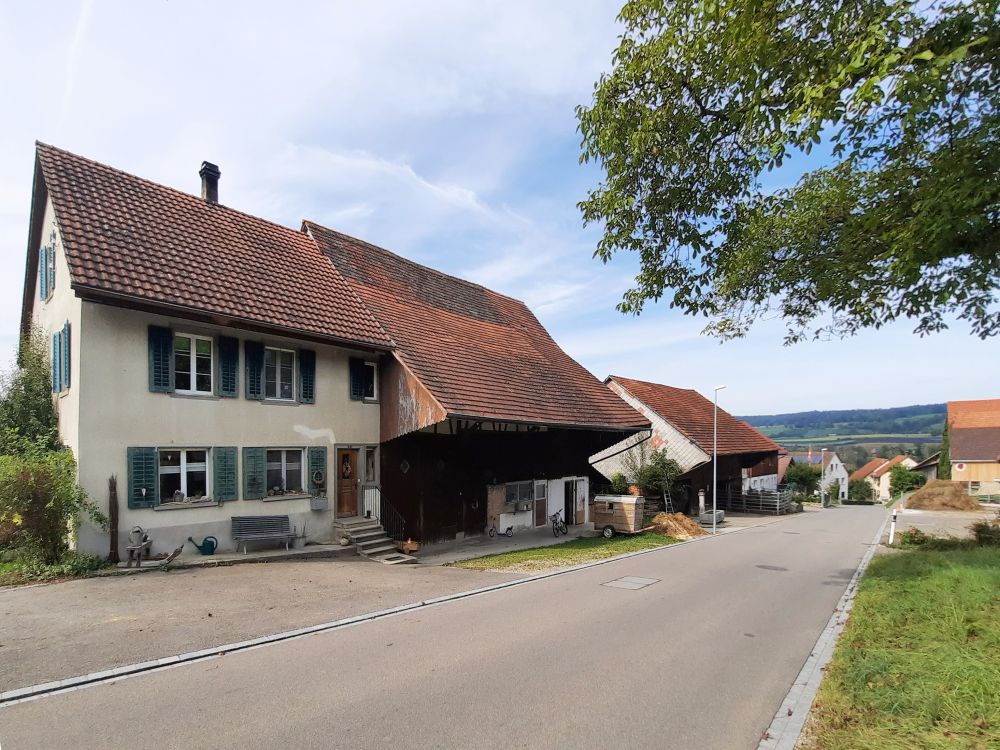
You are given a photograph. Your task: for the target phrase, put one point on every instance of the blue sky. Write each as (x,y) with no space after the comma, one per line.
(443,131)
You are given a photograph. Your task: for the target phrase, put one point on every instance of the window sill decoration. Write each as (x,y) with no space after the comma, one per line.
(202,503)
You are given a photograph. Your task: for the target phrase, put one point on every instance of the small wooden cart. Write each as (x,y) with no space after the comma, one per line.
(618,514)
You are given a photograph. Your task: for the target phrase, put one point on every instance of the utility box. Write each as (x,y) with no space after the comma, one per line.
(622,513)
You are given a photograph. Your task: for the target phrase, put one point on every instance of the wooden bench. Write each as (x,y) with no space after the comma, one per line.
(260,528)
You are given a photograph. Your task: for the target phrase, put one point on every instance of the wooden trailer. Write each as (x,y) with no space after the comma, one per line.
(618,514)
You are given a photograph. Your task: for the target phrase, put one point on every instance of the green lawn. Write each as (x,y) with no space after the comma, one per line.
(918,665)
(566,554)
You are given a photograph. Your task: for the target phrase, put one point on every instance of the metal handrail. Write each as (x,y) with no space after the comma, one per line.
(374,505)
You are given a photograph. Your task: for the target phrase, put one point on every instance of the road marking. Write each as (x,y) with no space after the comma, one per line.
(71,684)
(786,726)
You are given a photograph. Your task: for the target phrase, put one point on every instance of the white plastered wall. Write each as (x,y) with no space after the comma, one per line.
(118,411)
(664,436)
(50,315)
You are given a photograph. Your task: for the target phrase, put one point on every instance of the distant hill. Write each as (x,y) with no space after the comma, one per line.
(925,420)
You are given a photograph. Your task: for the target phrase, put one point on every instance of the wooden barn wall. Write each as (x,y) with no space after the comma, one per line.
(443,490)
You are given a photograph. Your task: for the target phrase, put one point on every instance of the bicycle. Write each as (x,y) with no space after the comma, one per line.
(558,524)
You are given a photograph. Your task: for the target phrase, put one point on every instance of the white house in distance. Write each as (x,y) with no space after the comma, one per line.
(832,467)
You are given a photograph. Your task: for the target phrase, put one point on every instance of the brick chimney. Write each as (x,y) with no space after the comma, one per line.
(210,181)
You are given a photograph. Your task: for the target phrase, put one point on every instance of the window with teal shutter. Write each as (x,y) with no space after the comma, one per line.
(65,355)
(317,471)
(225,483)
(357,370)
(43,273)
(161,359)
(253,352)
(254,474)
(143,471)
(56,362)
(50,268)
(307,376)
(228,377)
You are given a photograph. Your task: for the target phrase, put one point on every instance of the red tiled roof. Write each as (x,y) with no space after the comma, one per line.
(129,237)
(974,414)
(692,414)
(975,444)
(867,469)
(479,353)
(783,463)
(888,465)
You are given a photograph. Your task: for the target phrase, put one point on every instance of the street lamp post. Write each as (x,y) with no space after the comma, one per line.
(822,476)
(715,453)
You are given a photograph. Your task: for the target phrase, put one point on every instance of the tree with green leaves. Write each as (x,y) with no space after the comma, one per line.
(899,219)
(944,460)
(805,477)
(859,489)
(28,422)
(903,479)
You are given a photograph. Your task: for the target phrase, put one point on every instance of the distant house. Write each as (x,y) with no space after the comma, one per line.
(974,433)
(784,461)
(832,467)
(877,473)
(682,425)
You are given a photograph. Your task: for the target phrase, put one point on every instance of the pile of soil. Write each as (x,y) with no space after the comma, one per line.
(940,494)
(676,525)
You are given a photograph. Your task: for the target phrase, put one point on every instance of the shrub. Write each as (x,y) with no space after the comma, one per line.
(902,479)
(651,471)
(860,490)
(987,533)
(805,477)
(619,484)
(912,537)
(41,503)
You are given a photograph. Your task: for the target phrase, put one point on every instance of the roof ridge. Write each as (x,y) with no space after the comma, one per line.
(160,185)
(672,387)
(403,258)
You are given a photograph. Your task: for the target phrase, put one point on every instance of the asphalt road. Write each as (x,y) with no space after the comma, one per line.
(700,659)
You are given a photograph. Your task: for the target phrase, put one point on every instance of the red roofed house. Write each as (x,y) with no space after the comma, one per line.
(682,424)
(974,435)
(876,473)
(224,366)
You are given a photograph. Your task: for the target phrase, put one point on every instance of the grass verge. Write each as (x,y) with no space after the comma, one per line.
(566,554)
(71,565)
(918,665)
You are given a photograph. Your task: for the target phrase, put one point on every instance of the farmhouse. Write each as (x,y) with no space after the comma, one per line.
(221,366)
(974,432)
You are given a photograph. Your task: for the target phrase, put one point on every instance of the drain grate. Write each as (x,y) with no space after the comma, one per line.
(631,582)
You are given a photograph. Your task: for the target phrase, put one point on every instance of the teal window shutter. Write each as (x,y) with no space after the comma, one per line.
(161,359)
(254,474)
(143,474)
(307,376)
(65,355)
(225,482)
(357,370)
(227,382)
(253,352)
(318,480)
(43,272)
(56,363)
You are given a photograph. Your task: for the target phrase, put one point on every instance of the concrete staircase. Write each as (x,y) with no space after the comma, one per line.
(371,541)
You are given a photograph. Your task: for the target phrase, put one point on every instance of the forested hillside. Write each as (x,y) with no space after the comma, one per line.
(920,420)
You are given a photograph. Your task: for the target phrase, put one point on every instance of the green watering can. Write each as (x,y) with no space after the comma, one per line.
(207,545)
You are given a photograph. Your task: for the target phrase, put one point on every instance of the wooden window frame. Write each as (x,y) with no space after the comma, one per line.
(277,376)
(182,468)
(370,364)
(193,371)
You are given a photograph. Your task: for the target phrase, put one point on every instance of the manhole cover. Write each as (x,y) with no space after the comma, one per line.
(631,582)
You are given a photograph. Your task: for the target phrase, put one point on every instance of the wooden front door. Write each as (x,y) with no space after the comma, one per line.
(347,482)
